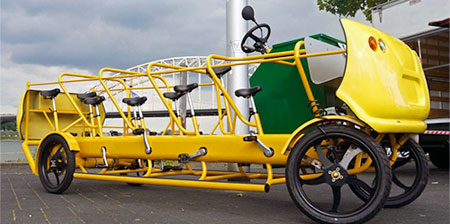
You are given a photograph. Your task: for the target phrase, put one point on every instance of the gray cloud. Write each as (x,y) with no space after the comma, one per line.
(92,35)
(88,35)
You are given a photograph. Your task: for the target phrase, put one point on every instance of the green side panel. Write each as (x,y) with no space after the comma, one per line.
(282,103)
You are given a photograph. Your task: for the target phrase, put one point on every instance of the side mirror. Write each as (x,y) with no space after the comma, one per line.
(248,13)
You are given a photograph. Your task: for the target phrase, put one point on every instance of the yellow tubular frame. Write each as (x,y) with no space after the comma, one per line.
(288,58)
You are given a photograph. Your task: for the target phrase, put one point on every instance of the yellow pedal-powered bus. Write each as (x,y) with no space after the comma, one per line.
(336,170)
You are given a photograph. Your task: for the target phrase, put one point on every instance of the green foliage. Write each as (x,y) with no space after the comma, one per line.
(11,126)
(349,7)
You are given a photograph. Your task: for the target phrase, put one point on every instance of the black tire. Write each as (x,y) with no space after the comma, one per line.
(56,161)
(401,181)
(339,140)
(440,158)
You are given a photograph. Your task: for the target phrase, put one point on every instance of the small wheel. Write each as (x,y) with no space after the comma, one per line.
(320,168)
(409,177)
(56,164)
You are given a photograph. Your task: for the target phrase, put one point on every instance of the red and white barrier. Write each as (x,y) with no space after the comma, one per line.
(435,132)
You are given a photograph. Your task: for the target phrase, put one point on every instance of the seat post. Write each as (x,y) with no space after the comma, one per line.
(191,105)
(193,117)
(140,123)
(91,116)
(249,93)
(177,111)
(100,127)
(93,101)
(55,114)
(135,117)
(141,117)
(252,102)
(51,94)
(82,97)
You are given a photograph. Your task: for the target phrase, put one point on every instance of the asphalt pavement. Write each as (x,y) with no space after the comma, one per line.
(24,200)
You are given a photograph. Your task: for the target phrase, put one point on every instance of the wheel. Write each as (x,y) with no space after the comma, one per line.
(56,164)
(440,158)
(319,171)
(409,176)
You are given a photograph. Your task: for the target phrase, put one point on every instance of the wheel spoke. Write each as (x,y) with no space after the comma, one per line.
(351,153)
(336,198)
(316,181)
(57,177)
(397,182)
(57,153)
(323,158)
(352,180)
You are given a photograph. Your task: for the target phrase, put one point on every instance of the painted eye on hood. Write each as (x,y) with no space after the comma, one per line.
(373,43)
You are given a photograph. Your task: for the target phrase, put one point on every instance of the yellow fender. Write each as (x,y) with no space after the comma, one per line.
(298,133)
(71,142)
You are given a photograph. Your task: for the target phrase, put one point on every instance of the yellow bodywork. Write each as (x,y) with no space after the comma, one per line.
(385,89)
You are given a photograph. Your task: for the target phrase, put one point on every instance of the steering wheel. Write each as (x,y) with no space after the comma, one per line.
(260,42)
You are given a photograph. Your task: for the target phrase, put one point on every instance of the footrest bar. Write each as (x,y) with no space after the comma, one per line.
(176,183)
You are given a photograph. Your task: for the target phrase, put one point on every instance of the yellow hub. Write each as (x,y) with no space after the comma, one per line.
(335,175)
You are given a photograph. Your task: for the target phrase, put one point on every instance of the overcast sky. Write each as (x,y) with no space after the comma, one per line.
(41,39)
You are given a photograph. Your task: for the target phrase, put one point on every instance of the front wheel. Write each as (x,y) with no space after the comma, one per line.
(56,164)
(321,167)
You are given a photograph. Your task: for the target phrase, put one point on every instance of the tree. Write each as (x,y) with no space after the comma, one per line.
(9,126)
(349,7)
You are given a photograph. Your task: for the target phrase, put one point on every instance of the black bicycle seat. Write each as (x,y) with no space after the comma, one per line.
(173,95)
(246,93)
(185,88)
(50,93)
(135,101)
(83,96)
(220,71)
(94,101)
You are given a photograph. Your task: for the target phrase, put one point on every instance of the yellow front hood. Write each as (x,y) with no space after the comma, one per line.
(385,89)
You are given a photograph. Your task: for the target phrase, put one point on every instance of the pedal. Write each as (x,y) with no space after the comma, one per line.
(167,168)
(268,152)
(250,138)
(138,131)
(184,157)
(115,133)
(177,168)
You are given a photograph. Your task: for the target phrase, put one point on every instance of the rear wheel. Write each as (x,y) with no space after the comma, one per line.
(320,168)
(409,176)
(440,158)
(56,164)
